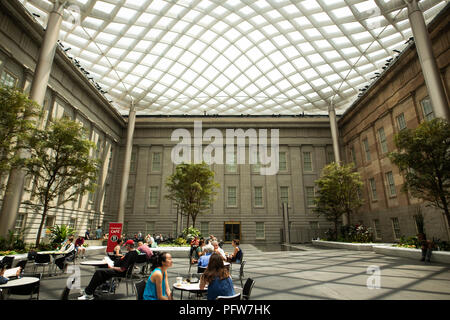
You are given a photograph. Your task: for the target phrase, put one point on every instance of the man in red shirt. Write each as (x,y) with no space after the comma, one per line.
(79,247)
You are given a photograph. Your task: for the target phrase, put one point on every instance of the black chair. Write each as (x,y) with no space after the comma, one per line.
(127,277)
(41,260)
(8,262)
(241,273)
(139,288)
(201,269)
(27,290)
(22,264)
(142,261)
(247,290)
(237,296)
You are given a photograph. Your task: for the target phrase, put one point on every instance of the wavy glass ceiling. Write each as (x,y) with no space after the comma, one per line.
(231,57)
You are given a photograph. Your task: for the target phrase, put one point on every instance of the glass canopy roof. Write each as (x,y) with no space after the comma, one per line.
(232,57)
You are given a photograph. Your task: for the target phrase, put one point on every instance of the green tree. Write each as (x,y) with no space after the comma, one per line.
(16,110)
(339,186)
(423,157)
(192,187)
(61,165)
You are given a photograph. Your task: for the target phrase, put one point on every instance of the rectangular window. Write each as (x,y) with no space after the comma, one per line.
(383,142)
(149,228)
(8,80)
(401,123)
(284,195)
(133,161)
(258,197)
(153,199)
(231,162)
(366,149)
(307,162)
(110,159)
(204,228)
(314,225)
(257,166)
(376,228)
(373,188)
(106,196)
(427,108)
(396,228)
(130,193)
(310,195)
(156,162)
(73,223)
(282,161)
(231,197)
(353,155)
(391,183)
(20,224)
(260,230)
(330,157)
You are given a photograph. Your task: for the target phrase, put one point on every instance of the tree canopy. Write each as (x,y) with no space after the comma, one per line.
(192,188)
(423,157)
(339,186)
(60,164)
(16,123)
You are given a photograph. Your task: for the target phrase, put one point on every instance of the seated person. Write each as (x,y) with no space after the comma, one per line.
(219,250)
(217,277)
(116,253)
(143,248)
(204,259)
(236,256)
(198,252)
(69,254)
(157,287)
(4,279)
(119,270)
(80,250)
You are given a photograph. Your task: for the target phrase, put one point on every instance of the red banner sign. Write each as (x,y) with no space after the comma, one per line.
(115,232)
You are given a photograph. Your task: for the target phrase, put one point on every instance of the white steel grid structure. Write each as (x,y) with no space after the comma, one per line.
(196,57)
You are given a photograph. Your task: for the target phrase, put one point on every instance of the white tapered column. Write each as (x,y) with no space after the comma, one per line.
(427,61)
(126,164)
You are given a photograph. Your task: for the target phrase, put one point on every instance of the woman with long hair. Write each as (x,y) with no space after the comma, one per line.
(157,287)
(217,277)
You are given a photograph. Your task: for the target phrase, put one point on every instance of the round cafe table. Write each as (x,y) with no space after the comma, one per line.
(189,287)
(17,283)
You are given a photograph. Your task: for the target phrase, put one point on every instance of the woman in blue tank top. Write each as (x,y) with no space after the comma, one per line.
(157,287)
(217,277)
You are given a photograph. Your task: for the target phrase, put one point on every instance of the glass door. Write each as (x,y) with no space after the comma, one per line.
(232,230)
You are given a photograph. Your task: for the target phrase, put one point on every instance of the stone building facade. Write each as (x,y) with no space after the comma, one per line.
(248,204)
(397,100)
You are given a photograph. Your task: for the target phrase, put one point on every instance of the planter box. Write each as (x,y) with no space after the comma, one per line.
(346,245)
(416,254)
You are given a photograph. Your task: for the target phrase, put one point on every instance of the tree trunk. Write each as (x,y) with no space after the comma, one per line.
(335,229)
(187,222)
(193,220)
(44,215)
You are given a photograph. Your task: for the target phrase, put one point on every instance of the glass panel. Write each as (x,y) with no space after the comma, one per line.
(258,197)
(231,196)
(427,108)
(366,149)
(310,196)
(307,162)
(156,162)
(383,143)
(153,196)
(284,194)
(282,161)
(401,123)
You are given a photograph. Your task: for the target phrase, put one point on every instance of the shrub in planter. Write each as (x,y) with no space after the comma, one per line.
(356,233)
